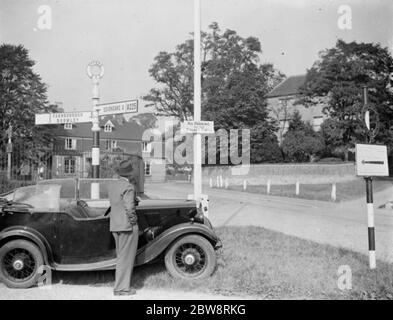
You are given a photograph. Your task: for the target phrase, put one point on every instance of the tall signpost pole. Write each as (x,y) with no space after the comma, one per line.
(9,152)
(369,195)
(95,151)
(197,101)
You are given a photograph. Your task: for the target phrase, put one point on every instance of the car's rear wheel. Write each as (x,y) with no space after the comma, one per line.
(191,257)
(19,263)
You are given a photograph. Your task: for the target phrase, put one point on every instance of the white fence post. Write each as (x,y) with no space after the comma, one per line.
(297,187)
(244,185)
(226,183)
(211,183)
(268,186)
(333,194)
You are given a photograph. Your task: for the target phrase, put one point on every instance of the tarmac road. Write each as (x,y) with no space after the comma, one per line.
(338,224)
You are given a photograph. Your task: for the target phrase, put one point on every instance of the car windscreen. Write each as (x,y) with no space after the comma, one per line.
(41,197)
(68,187)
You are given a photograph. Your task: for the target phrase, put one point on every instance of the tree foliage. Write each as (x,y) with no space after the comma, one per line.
(22,95)
(301,142)
(234,82)
(338,78)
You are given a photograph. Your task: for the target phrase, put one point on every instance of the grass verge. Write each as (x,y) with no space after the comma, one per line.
(344,190)
(266,264)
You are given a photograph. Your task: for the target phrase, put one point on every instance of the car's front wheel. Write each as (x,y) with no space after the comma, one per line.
(19,263)
(191,257)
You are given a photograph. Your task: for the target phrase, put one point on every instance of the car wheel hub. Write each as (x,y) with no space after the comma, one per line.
(189,259)
(18,264)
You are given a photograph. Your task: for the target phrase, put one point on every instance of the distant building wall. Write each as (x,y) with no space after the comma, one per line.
(282,109)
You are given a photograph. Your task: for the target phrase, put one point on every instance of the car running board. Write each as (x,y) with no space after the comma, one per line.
(95,266)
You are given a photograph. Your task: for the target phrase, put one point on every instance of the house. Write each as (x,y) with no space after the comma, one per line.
(281,105)
(118,139)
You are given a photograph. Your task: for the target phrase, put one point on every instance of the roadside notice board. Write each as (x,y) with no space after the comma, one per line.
(205,127)
(371,160)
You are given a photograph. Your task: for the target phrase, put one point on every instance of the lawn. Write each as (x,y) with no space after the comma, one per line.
(344,190)
(264,264)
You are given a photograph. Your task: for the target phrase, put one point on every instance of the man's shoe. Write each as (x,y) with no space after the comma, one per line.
(125,293)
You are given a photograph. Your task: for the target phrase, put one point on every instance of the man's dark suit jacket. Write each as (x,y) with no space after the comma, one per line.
(122,199)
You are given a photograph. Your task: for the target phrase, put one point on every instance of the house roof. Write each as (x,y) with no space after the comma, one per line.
(290,86)
(122,130)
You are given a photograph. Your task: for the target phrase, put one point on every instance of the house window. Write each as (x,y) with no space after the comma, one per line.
(70,144)
(69,165)
(147,169)
(111,144)
(68,126)
(108,126)
(146,146)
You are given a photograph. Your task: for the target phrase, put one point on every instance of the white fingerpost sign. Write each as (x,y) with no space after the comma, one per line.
(371,160)
(63,117)
(130,106)
(203,127)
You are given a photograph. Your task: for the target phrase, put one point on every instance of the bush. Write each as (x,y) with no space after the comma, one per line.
(6,185)
(267,150)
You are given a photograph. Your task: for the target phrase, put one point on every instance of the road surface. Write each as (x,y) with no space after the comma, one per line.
(338,224)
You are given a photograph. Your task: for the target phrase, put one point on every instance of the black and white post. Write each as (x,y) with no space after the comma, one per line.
(370,222)
(95,151)
(369,196)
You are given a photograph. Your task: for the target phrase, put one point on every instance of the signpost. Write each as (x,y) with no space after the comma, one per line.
(371,160)
(9,152)
(95,151)
(130,106)
(65,117)
(197,102)
(197,127)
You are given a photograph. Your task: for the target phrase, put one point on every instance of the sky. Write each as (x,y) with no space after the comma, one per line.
(126,35)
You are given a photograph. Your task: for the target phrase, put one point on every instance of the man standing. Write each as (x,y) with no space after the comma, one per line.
(124,227)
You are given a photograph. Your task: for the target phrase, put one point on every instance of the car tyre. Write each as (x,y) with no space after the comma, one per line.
(191,257)
(20,261)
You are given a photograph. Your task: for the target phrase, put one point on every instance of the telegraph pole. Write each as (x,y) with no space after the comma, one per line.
(95,151)
(197,101)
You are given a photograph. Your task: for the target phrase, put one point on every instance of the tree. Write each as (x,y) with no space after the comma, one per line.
(264,146)
(301,142)
(234,82)
(338,77)
(22,95)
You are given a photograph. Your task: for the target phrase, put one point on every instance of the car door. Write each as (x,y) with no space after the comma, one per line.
(85,240)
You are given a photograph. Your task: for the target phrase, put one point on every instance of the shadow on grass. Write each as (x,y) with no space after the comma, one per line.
(106,278)
(264,264)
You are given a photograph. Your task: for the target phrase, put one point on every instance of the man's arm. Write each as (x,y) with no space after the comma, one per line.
(128,197)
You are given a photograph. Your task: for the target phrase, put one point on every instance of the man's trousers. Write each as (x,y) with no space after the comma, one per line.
(126,247)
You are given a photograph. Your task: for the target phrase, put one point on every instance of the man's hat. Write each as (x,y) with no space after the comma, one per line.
(125,168)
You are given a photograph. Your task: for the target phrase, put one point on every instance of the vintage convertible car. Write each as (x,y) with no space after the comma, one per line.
(40,227)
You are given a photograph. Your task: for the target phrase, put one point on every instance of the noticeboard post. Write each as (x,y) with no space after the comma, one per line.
(371,161)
